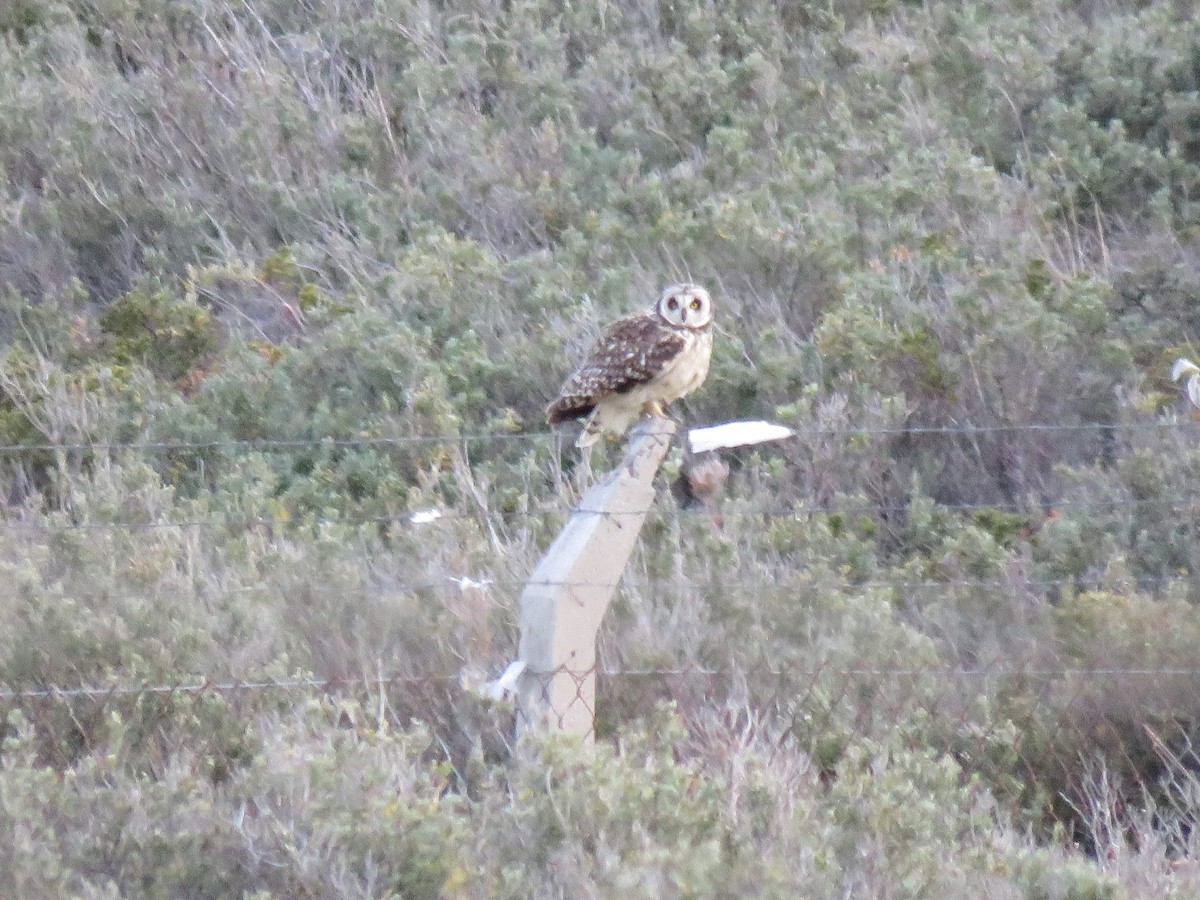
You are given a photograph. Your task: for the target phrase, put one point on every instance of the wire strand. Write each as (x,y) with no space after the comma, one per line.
(278,443)
(531,436)
(1186,503)
(484,583)
(260,684)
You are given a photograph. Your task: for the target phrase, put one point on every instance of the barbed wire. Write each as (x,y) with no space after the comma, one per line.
(215,686)
(284,444)
(335,683)
(908,671)
(732,509)
(466,582)
(1044,506)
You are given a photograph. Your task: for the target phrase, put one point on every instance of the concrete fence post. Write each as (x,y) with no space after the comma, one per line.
(565,599)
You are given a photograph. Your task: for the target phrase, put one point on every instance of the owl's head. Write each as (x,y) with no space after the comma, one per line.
(686,306)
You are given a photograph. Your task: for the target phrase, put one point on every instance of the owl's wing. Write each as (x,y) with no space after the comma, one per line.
(630,352)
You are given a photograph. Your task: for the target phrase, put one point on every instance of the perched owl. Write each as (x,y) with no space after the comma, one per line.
(641,363)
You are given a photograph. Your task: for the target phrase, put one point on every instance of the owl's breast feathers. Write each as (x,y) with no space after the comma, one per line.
(629,354)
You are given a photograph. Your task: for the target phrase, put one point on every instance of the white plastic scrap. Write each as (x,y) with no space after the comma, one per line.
(505,686)
(735,434)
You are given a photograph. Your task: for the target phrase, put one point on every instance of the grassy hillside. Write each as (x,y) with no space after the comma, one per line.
(275,275)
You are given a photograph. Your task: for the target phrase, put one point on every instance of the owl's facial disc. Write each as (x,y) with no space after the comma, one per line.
(686,304)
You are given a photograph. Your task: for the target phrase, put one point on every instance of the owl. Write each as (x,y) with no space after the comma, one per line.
(641,363)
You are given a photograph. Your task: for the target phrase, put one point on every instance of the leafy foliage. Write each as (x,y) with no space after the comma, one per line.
(276,276)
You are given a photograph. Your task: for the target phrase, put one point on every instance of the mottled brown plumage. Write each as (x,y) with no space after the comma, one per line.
(640,363)
(629,354)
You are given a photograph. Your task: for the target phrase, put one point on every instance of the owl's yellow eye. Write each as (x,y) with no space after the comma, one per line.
(672,303)
(696,304)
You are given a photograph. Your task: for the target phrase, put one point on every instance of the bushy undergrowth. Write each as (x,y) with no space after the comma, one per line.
(335,802)
(275,276)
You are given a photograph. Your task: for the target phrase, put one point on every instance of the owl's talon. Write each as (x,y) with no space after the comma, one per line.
(654,408)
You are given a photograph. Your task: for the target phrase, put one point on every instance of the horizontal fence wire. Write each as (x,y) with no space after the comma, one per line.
(1001,667)
(281,444)
(731,509)
(484,583)
(421,440)
(1065,713)
(234,685)
(334,684)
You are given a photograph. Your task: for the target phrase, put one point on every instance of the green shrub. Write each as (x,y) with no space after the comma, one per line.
(149,327)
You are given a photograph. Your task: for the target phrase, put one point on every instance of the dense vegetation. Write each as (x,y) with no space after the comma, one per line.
(275,274)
